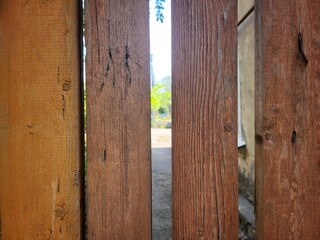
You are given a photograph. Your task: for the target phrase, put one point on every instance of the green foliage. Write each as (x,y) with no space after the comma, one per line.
(161,104)
(162,110)
(160,98)
(159,7)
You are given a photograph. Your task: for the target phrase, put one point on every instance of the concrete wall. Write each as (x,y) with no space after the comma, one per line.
(246,80)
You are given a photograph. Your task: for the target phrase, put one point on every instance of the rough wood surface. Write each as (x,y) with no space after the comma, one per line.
(39,120)
(288,119)
(118,119)
(205,189)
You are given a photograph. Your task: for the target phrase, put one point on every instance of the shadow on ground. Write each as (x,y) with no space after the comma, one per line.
(161,193)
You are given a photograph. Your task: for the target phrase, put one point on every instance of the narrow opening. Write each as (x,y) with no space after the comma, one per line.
(160,82)
(246,113)
(84,121)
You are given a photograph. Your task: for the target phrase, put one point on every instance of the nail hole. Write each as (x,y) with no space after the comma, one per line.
(294,136)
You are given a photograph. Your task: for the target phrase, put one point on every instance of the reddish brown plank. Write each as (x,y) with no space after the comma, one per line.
(118,118)
(287,119)
(205,171)
(39,120)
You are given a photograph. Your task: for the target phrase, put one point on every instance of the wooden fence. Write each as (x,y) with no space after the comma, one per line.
(41,146)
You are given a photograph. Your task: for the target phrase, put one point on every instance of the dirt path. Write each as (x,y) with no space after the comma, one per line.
(161,184)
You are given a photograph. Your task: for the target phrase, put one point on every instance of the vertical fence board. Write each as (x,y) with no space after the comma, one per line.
(4,100)
(288,119)
(118,118)
(39,120)
(205,168)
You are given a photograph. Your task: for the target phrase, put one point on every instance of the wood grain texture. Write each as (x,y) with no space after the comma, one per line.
(39,120)
(118,119)
(287,119)
(205,188)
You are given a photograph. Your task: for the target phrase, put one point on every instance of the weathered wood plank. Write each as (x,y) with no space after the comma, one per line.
(205,188)
(118,120)
(39,120)
(287,119)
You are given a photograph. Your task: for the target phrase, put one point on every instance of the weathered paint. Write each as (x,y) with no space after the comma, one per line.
(246,160)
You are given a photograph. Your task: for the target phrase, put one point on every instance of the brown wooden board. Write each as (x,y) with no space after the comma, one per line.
(118,119)
(39,120)
(205,188)
(287,119)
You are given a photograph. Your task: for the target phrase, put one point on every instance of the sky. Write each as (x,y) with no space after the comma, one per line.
(160,41)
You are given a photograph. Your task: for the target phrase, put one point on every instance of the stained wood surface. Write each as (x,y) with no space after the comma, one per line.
(39,120)
(287,119)
(118,119)
(205,189)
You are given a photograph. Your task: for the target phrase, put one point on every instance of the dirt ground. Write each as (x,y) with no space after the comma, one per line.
(161,184)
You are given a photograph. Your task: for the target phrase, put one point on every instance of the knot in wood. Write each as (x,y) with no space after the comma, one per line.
(66,86)
(200,233)
(60,212)
(267,136)
(228,127)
